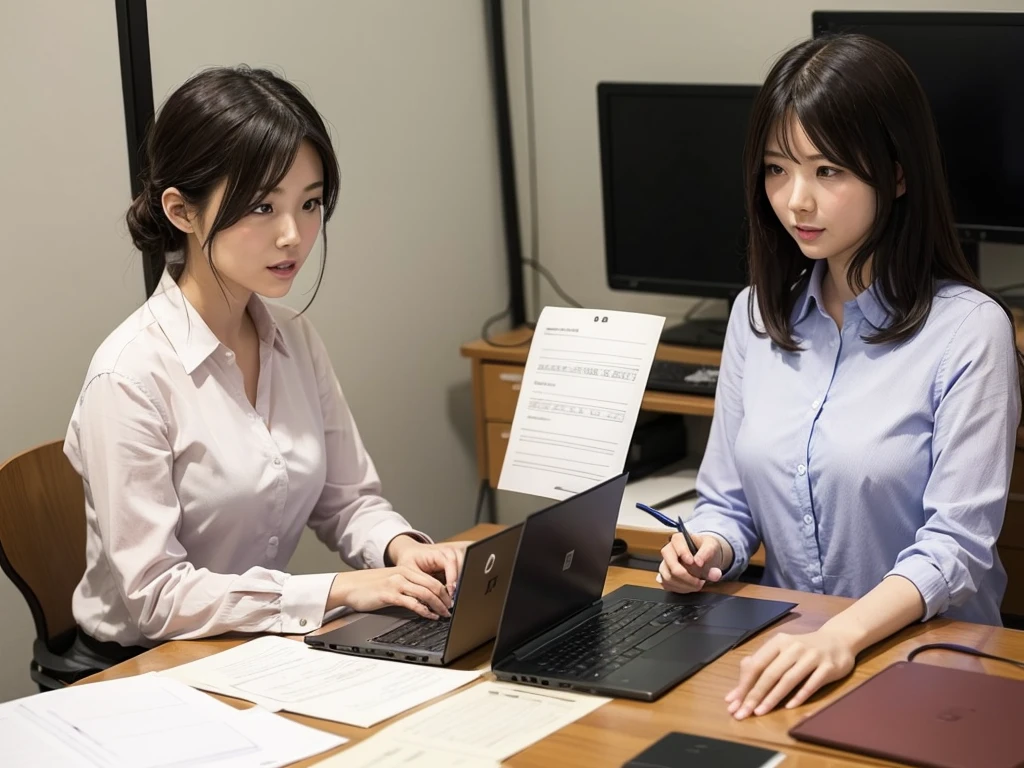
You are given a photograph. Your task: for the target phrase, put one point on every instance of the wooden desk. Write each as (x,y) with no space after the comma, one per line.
(621,729)
(497,372)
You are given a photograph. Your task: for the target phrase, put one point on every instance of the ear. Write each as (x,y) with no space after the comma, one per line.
(901,182)
(177,210)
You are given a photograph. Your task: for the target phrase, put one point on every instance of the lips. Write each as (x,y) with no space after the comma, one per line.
(808,233)
(283,266)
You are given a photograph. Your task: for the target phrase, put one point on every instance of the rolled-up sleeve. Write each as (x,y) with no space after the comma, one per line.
(351,516)
(976,418)
(122,447)
(721,502)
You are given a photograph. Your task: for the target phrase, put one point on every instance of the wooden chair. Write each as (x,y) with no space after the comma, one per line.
(42,550)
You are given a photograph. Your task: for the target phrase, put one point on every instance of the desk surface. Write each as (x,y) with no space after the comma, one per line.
(621,729)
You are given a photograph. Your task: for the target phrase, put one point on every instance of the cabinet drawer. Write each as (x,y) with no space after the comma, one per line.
(501,390)
(497,442)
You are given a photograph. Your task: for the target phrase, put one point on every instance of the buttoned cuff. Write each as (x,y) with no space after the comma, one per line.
(740,555)
(928,579)
(381,536)
(303,600)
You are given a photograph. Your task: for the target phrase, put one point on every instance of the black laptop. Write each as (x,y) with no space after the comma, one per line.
(402,635)
(638,642)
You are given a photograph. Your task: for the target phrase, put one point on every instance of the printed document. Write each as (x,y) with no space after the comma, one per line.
(287,675)
(582,388)
(482,725)
(148,722)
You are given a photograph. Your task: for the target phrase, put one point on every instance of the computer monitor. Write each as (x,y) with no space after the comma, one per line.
(672,175)
(971,66)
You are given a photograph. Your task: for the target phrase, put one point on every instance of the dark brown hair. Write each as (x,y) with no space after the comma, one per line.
(863,108)
(237,125)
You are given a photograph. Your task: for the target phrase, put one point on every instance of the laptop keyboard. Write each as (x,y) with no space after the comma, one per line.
(620,633)
(422,634)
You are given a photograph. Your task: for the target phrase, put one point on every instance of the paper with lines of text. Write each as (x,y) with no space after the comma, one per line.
(582,388)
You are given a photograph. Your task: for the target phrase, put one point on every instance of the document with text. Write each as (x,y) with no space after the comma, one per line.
(287,675)
(482,725)
(582,388)
(148,722)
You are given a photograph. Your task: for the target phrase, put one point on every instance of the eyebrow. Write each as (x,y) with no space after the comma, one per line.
(773,153)
(309,188)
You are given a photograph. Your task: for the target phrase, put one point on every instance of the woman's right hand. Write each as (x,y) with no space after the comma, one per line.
(682,572)
(374,588)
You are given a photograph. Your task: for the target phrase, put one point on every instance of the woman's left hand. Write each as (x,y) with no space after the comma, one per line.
(432,559)
(782,663)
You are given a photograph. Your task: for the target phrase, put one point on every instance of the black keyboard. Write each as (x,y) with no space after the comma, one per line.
(687,378)
(422,634)
(603,643)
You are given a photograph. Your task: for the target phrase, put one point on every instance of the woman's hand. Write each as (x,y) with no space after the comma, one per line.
(442,560)
(785,661)
(375,588)
(682,572)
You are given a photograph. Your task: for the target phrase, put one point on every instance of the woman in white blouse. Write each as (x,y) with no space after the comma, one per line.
(211,428)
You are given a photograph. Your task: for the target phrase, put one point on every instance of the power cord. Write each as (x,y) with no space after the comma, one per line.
(962,649)
(546,273)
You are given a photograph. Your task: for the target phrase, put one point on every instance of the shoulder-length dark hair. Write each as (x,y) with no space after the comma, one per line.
(238,125)
(863,108)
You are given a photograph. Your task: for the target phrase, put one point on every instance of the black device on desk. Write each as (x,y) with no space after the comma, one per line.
(556,630)
(685,378)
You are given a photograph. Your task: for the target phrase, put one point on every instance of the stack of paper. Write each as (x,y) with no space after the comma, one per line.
(477,728)
(282,674)
(148,722)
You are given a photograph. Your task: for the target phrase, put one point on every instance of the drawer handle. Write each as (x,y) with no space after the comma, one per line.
(514,377)
(506,435)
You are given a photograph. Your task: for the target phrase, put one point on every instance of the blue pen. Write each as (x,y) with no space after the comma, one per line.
(665,519)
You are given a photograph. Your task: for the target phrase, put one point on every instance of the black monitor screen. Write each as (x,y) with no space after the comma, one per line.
(971,66)
(672,171)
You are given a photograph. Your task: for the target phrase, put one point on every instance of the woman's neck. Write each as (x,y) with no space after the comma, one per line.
(221,305)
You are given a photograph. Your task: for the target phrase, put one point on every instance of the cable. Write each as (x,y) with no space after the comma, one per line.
(962,649)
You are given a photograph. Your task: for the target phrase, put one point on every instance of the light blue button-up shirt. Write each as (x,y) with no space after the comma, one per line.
(852,461)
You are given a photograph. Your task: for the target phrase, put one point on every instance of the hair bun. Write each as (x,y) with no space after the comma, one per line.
(149,228)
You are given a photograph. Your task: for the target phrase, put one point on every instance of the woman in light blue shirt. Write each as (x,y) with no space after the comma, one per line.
(868,397)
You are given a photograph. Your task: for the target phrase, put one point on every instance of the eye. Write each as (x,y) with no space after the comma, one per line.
(770,169)
(827,172)
(312,205)
(263,209)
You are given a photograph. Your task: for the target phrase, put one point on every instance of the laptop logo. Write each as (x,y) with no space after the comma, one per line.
(491,585)
(953,714)
(568,559)
(490,564)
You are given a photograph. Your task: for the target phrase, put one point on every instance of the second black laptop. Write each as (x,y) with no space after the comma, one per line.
(637,642)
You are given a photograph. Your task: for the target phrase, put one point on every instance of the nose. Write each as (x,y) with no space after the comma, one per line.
(288,237)
(801,197)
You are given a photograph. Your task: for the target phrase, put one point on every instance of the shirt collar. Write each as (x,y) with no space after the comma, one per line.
(190,336)
(868,302)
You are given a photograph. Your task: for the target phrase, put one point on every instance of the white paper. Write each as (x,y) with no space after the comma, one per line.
(488,723)
(288,675)
(582,387)
(148,722)
(652,490)
(376,752)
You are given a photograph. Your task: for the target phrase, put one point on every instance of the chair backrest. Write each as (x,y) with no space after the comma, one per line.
(42,534)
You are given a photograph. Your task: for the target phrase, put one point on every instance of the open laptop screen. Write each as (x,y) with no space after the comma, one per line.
(561,564)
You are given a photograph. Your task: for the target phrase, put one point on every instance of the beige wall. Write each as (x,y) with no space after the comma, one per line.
(578,43)
(70,273)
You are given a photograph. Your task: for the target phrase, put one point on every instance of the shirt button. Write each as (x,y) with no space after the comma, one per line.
(273,541)
(808,519)
(815,404)
(801,470)
(229,355)
(277,463)
(302,622)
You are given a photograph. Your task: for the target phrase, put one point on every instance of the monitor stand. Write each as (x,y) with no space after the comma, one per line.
(703,332)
